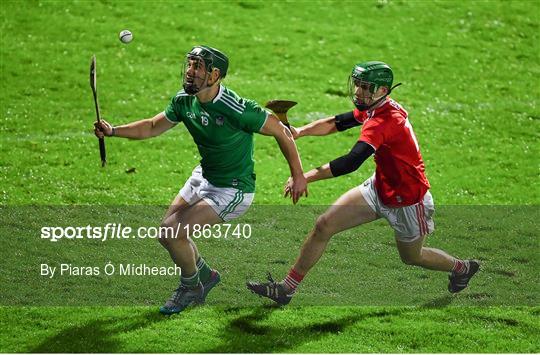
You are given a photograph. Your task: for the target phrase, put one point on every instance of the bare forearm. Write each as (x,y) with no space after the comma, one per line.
(146,128)
(135,130)
(320,173)
(288,148)
(320,127)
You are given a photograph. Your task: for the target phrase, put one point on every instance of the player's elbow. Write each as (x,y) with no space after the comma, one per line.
(153,130)
(284,132)
(344,165)
(283,136)
(351,161)
(150,129)
(332,128)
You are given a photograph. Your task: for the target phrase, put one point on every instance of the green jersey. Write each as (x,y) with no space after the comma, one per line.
(223,131)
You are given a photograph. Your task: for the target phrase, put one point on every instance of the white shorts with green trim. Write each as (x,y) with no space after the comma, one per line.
(409,222)
(229,203)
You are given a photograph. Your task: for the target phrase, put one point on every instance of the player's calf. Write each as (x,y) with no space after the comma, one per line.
(412,260)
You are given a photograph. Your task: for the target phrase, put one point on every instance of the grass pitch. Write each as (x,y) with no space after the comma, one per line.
(470,74)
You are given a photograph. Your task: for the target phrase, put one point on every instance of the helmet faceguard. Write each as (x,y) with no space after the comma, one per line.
(363,93)
(365,81)
(200,63)
(194,75)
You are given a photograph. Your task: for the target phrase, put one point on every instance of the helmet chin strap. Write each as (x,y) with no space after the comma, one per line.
(190,89)
(364,107)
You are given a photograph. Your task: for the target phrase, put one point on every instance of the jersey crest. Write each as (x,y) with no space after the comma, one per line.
(220,120)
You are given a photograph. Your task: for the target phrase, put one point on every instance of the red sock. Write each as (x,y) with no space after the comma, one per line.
(460,266)
(293,279)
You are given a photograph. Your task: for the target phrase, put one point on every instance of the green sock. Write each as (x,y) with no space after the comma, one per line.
(190,281)
(204,270)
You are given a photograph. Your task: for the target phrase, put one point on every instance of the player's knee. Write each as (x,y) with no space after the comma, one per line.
(162,238)
(169,234)
(323,227)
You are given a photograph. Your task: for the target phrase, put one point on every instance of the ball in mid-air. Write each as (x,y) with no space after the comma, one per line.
(125,36)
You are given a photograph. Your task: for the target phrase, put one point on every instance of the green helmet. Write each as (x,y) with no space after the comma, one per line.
(213,58)
(370,76)
(375,72)
(204,59)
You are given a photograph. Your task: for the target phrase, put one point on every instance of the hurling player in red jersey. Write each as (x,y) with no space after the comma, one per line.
(398,191)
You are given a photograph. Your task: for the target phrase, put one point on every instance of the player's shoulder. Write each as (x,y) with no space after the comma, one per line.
(231,100)
(396,109)
(181,96)
(388,114)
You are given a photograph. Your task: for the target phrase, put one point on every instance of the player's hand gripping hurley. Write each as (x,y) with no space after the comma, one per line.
(93,85)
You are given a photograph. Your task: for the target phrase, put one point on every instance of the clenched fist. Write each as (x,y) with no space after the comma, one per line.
(102,129)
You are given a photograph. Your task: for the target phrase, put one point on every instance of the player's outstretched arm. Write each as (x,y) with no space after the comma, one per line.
(320,127)
(343,165)
(326,126)
(141,129)
(273,127)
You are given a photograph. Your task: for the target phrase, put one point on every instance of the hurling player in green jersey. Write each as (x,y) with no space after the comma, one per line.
(222,187)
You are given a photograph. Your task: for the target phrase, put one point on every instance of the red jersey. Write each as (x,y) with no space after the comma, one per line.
(400,177)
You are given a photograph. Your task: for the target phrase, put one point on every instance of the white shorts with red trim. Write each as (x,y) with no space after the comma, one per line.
(409,222)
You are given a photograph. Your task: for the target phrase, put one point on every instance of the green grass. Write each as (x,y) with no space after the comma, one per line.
(470,72)
(260,329)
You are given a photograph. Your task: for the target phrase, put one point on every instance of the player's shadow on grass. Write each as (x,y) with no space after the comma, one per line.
(439,302)
(97,336)
(254,333)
